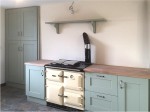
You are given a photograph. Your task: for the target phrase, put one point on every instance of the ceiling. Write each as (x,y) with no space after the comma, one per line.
(25,3)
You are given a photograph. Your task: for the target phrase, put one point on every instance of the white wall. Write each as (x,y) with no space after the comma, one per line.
(2,44)
(120,41)
(148,15)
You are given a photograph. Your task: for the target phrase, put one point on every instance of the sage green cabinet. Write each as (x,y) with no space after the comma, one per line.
(21,23)
(101,92)
(17,53)
(21,42)
(133,94)
(35,81)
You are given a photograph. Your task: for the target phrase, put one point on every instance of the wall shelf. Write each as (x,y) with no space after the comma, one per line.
(92,21)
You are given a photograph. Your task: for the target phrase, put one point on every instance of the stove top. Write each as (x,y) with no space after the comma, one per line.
(71,65)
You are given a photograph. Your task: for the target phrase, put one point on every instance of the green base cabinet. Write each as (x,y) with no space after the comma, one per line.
(116,93)
(133,94)
(100,92)
(35,81)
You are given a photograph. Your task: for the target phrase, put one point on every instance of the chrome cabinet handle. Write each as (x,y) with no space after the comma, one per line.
(42,72)
(102,76)
(100,96)
(20,33)
(121,84)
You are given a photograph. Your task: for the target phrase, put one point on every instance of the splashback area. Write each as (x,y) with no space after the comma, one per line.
(120,41)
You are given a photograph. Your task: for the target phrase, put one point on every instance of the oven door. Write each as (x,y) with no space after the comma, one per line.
(54,93)
(74,80)
(54,75)
(73,99)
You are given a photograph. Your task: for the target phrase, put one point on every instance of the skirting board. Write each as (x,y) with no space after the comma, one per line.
(3,84)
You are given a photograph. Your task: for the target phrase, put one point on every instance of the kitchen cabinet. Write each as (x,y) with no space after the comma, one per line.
(133,94)
(21,42)
(22,23)
(104,92)
(35,81)
(18,52)
(100,92)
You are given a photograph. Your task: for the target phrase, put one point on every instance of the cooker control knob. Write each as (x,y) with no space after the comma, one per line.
(71,76)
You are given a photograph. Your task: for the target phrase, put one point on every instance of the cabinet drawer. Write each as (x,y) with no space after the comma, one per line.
(100,102)
(54,75)
(101,83)
(74,80)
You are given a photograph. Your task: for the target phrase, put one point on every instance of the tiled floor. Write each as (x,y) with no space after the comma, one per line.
(14,99)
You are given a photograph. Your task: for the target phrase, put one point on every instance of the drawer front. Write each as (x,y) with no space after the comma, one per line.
(101,83)
(54,93)
(74,81)
(73,99)
(54,75)
(100,102)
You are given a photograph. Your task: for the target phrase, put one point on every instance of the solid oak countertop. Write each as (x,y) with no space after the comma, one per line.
(119,71)
(106,69)
(38,62)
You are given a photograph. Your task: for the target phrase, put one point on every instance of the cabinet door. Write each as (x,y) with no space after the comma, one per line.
(100,102)
(13,61)
(133,94)
(35,81)
(28,50)
(29,23)
(101,83)
(13,24)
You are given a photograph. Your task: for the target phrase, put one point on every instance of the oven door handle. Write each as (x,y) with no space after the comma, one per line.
(60,75)
(65,76)
(62,96)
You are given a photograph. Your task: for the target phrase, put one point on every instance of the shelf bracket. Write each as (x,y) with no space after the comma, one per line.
(94,26)
(56,25)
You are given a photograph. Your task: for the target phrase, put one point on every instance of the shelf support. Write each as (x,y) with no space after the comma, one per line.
(56,25)
(94,26)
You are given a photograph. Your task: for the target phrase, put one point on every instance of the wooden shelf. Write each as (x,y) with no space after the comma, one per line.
(92,21)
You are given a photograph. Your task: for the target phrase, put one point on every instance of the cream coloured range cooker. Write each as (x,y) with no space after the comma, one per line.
(65,88)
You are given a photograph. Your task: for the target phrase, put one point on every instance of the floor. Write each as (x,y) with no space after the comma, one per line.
(14,99)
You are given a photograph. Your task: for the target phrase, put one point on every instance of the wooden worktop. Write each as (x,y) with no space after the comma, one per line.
(120,71)
(38,62)
(106,69)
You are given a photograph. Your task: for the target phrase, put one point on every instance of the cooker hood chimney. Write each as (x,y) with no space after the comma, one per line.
(87,48)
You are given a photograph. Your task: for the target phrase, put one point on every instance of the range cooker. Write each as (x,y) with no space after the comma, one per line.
(65,83)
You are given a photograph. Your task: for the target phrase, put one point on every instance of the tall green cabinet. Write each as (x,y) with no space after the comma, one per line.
(22,33)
